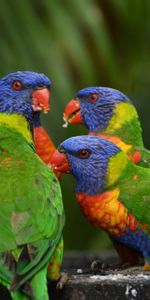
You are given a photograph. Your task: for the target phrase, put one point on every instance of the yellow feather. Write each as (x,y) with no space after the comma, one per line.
(115,167)
(124,112)
(17,122)
(123,146)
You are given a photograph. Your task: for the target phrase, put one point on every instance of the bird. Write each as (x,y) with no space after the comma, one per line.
(110,114)
(113,192)
(32,215)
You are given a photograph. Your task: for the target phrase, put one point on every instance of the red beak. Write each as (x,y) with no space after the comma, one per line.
(41,100)
(59,162)
(72,113)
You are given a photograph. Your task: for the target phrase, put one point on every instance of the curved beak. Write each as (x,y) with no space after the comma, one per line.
(41,100)
(59,162)
(72,113)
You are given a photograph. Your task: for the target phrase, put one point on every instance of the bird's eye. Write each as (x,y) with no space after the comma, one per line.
(17,85)
(84,153)
(61,150)
(93,97)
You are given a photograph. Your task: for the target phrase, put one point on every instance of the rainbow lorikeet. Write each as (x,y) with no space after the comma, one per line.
(112,191)
(110,114)
(31,214)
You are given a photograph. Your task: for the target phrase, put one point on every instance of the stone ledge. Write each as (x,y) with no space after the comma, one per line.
(126,284)
(131,284)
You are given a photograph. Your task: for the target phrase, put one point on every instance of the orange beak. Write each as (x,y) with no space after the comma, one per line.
(72,113)
(59,163)
(41,100)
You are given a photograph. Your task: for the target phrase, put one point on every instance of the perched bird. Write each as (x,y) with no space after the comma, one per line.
(31,214)
(110,114)
(113,192)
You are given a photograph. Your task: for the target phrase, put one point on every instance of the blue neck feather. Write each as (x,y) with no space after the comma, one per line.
(96,117)
(92,181)
(12,106)
(36,119)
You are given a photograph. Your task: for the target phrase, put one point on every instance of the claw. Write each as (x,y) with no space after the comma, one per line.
(99,267)
(62,280)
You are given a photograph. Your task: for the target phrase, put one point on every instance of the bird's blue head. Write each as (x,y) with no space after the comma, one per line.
(86,157)
(24,93)
(94,107)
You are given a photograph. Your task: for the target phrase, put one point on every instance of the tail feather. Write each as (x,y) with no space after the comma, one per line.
(35,289)
(17,295)
(19,280)
(25,292)
(7,268)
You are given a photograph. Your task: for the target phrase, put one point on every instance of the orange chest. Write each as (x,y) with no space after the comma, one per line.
(105,211)
(44,146)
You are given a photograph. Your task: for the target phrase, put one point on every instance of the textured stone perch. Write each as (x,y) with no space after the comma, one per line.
(112,286)
(132,283)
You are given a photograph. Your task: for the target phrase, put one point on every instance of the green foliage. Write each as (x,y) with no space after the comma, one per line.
(78,44)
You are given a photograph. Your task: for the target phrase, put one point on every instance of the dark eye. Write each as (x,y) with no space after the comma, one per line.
(93,97)
(61,149)
(17,85)
(84,153)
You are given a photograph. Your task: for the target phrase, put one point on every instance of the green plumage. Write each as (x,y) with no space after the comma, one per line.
(31,216)
(132,182)
(135,191)
(131,133)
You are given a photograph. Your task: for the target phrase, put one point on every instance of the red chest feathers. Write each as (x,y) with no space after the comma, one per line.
(106,211)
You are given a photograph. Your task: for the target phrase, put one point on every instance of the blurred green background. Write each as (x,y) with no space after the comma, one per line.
(79,43)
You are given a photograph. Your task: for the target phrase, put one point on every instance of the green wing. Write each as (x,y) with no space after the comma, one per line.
(135,192)
(31,215)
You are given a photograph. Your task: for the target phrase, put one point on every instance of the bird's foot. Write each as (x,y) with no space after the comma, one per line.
(62,280)
(101,268)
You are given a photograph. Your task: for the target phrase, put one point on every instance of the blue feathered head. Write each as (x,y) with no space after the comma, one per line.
(94,107)
(86,157)
(20,93)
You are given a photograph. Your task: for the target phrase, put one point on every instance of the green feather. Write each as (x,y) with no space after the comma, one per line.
(31,214)
(133,183)
(125,124)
